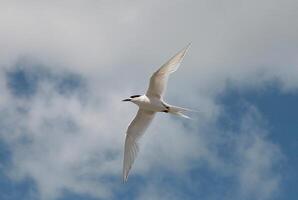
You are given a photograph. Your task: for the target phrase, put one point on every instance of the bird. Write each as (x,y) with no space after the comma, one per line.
(149,104)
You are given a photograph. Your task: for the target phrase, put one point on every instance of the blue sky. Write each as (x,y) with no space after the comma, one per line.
(64,73)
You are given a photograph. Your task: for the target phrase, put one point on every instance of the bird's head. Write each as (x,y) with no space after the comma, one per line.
(132,98)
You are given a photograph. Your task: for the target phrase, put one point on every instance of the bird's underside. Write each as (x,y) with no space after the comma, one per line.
(149,104)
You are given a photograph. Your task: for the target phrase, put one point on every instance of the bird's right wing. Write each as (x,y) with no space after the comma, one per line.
(159,79)
(135,130)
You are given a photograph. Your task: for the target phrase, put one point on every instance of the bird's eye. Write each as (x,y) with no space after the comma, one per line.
(133,96)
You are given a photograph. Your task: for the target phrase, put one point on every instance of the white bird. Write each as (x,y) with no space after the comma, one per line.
(149,104)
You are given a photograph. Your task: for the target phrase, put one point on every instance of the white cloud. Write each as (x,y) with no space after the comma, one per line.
(244,155)
(115,45)
(258,160)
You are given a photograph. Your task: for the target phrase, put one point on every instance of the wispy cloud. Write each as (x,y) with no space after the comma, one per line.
(258,173)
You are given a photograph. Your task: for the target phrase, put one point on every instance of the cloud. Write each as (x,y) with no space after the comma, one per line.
(238,164)
(56,142)
(258,159)
(109,48)
(66,142)
(245,159)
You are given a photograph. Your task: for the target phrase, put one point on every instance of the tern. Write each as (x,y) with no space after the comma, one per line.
(149,104)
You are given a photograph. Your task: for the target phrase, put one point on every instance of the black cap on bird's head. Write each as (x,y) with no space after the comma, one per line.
(131,97)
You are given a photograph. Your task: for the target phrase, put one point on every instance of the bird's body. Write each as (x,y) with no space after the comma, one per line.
(149,104)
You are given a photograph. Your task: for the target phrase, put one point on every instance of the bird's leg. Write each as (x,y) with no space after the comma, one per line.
(167,108)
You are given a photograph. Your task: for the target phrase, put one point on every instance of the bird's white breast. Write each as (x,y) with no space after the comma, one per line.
(152,104)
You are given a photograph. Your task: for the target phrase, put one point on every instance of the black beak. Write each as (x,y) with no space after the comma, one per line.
(126,100)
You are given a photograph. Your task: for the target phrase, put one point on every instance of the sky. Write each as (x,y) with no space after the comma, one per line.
(66,65)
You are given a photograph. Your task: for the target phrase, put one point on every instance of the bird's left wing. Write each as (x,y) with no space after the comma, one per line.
(135,130)
(159,79)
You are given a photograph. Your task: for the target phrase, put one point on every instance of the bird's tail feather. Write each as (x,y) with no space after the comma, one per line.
(175,110)
(180,114)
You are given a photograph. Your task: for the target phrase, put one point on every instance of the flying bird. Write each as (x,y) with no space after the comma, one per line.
(149,104)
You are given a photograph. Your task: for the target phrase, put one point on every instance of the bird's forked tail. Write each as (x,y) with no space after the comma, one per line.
(175,110)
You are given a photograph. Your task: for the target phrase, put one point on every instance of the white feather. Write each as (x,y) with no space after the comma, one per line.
(135,130)
(159,79)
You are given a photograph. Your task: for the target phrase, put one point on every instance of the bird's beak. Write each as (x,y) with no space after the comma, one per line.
(126,99)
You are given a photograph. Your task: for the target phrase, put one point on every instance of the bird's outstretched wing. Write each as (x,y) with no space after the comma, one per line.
(159,79)
(135,130)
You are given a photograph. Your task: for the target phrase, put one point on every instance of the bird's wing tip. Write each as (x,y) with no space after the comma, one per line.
(185,49)
(124,180)
(188,45)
